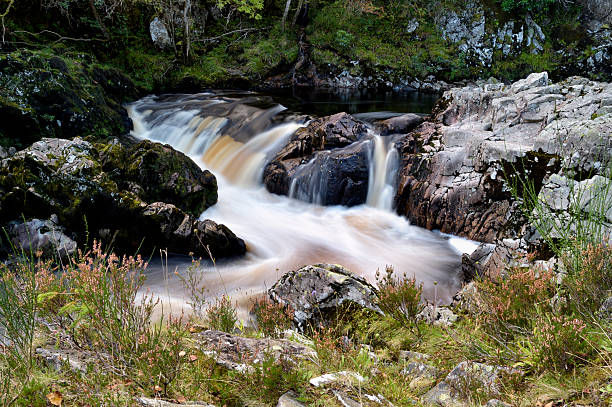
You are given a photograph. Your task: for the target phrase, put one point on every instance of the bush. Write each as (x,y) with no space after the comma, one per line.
(222,315)
(589,281)
(272,318)
(512,302)
(559,342)
(398,297)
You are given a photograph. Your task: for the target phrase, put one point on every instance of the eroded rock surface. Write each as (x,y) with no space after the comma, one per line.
(454,169)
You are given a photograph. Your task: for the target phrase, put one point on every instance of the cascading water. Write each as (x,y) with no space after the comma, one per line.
(235,138)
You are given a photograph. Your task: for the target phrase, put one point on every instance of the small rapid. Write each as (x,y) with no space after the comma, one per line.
(234,137)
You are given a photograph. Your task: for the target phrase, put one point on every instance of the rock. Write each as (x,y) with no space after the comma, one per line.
(454,166)
(345,377)
(324,163)
(239,353)
(289,400)
(401,124)
(99,189)
(315,291)
(56,359)
(159,34)
(409,356)
(44,96)
(438,316)
(535,80)
(422,375)
(496,403)
(337,177)
(170,176)
(42,236)
(149,402)
(467,299)
(463,379)
(605,311)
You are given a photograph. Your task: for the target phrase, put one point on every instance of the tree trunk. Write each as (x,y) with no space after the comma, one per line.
(186,32)
(298,11)
(92,7)
(285,14)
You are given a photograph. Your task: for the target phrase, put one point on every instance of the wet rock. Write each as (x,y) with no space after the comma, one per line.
(42,236)
(464,378)
(318,290)
(324,163)
(159,34)
(289,399)
(239,353)
(438,316)
(344,377)
(401,124)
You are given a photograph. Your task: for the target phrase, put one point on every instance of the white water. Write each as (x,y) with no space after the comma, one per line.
(282,233)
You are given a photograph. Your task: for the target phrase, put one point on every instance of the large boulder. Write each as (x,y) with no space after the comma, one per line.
(43,96)
(41,237)
(455,169)
(117,194)
(317,291)
(326,162)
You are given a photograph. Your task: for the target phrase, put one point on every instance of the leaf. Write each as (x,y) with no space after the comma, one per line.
(44,297)
(55,398)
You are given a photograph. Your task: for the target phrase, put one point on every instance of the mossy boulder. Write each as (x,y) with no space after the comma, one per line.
(170,176)
(116,194)
(43,95)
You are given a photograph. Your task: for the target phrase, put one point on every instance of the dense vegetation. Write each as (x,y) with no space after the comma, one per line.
(242,42)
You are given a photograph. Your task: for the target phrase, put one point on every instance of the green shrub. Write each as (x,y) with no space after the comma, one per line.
(343,39)
(559,343)
(399,297)
(272,318)
(513,301)
(222,315)
(589,280)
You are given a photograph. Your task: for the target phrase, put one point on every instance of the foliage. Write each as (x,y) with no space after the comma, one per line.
(538,6)
(193,280)
(399,297)
(222,315)
(249,7)
(272,318)
(589,279)
(513,301)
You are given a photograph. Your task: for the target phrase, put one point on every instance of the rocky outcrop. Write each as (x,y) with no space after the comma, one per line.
(463,380)
(42,237)
(315,292)
(43,96)
(325,163)
(455,169)
(105,190)
(239,353)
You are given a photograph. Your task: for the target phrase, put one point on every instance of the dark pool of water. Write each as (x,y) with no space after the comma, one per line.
(323,102)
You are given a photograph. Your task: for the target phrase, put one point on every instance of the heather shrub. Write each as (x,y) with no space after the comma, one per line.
(559,342)
(589,280)
(399,297)
(272,318)
(512,302)
(222,315)
(193,281)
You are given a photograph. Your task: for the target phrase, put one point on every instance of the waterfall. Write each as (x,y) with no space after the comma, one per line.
(235,138)
(384,164)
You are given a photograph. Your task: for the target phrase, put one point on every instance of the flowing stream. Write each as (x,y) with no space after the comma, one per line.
(234,136)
